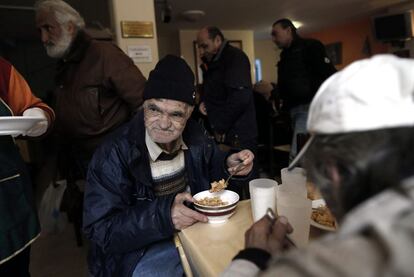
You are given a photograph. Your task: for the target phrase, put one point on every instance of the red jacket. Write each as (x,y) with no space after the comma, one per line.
(16,93)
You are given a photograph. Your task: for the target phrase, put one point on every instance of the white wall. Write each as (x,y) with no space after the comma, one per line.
(268,53)
(168,44)
(131,10)
(187,37)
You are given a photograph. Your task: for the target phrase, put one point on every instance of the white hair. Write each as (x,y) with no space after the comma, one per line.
(64,13)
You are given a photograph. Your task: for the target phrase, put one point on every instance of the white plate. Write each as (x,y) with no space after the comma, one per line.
(17,125)
(316,204)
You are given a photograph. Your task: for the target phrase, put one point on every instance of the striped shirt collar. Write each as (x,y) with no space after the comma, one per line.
(155,150)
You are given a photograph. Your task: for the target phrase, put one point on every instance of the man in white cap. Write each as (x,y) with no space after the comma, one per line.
(361,157)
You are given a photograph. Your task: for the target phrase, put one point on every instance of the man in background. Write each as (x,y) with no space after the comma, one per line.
(98,86)
(361,159)
(302,68)
(227,98)
(19,225)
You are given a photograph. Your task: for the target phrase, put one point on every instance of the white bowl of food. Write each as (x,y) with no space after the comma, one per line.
(217,206)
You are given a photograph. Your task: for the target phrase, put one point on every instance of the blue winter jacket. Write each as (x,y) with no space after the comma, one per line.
(122,216)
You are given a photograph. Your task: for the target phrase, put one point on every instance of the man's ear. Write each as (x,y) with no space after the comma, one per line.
(334,176)
(218,41)
(71,28)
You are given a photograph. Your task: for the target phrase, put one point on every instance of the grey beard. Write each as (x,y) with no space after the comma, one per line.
(61,48)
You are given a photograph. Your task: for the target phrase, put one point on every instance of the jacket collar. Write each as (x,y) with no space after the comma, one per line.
(154,150)
(135,134)
(220,51)
(297,40)
(216,60)
(136,130)
(78,48)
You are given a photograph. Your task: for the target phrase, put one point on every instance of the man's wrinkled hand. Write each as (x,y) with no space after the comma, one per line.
(268,237)
(181,215)
(240,163)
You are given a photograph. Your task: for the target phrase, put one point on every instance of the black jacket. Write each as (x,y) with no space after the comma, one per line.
(228,94)
(302,68)
(122,215)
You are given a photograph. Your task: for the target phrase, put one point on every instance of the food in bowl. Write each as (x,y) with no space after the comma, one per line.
(218,213)
(217,186)
(211,201)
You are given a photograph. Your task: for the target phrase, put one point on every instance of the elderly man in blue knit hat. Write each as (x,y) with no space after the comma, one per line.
(142,178)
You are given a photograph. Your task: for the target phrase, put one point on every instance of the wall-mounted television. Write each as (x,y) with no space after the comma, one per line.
(394,27)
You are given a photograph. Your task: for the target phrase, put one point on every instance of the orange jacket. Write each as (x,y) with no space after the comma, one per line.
(16,93)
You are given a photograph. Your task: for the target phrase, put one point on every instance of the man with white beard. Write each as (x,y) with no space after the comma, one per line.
(98,85)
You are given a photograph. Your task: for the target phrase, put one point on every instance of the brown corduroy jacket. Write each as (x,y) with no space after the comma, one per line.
(98,88)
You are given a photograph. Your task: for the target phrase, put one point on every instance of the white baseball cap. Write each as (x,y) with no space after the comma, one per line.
(370,94)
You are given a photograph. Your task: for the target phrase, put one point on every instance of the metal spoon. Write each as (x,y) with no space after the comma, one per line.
(238,167)
(270,214)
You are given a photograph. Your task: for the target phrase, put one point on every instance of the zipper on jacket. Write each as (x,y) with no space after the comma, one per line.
(10,178)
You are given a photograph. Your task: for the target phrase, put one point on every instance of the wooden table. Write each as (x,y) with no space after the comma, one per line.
(210,248)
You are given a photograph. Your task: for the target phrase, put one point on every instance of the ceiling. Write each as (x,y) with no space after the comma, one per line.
(257,15)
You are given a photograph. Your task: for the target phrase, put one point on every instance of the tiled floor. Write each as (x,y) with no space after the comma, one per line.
(58,256)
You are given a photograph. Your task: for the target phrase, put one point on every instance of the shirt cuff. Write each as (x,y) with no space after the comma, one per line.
(255,255)
(240,268)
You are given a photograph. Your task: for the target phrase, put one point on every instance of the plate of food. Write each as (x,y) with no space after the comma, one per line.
(322,217)
(313,191)
(17,125)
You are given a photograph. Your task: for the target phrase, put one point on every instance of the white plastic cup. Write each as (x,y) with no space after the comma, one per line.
(298,212)
(294,181)
(262,196)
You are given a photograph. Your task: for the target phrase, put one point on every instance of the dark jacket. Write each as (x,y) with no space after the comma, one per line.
(228,94)
(122,216)
(302,68)
(19,225)
(98,89)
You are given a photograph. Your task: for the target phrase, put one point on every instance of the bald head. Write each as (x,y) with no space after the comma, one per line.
(209,41)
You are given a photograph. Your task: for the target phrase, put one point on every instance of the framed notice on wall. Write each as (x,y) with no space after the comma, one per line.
(137,29)
(140,53)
